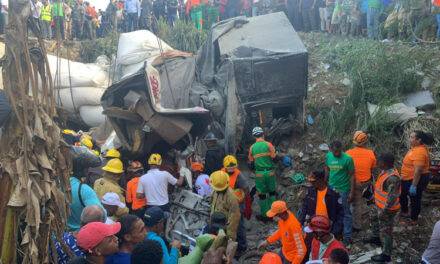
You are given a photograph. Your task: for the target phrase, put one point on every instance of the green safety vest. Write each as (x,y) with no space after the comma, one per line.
(46,13)
(58,10)
(260,151)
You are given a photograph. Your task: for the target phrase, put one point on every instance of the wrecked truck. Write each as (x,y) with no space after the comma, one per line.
(251,71)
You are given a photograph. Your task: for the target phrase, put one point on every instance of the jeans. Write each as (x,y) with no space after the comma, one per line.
(348,218)
(438,25)
(373,22)
(241,232)
(59,27)
(46,29)
(415,201)
(132,22)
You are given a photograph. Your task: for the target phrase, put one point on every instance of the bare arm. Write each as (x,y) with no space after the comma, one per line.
(417,174)
(180,180)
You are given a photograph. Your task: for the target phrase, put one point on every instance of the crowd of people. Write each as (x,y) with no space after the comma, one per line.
(119,215)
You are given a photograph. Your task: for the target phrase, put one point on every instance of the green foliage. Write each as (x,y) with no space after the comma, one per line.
(380,74)
(91,49)
(183,36)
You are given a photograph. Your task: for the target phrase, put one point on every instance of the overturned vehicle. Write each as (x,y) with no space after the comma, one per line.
(251,71)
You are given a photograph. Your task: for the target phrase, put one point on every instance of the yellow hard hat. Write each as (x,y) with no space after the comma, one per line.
(113,153)
(219,181)
(230,162)
(155,159)
(95,152)
(85,141)
(69,132)
(114,166)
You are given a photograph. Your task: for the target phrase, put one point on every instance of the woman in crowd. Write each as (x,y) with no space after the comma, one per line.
(132,232)
(415,174)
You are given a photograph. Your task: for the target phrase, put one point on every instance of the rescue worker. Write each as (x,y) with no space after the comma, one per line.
(386,197)
(214,155)
(137,206)
(201,185)
(323,242)
(262,153)
(225,201)
(153,185)
(240,188)
(46,20)
(289,233)
(109,183)
(364,161)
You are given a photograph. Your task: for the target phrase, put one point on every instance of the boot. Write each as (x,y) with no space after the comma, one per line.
(381,258)
(374,241)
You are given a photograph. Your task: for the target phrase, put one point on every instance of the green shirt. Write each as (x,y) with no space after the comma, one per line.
(57,9)
(339,169)
(374,4)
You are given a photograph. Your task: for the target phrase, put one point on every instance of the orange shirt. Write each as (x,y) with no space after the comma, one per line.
(136,203)
(292,241)
(321,207)
(416,156)
(364,160)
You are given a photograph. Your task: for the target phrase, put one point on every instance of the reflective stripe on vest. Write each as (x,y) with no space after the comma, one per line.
(46,13)
(381,196)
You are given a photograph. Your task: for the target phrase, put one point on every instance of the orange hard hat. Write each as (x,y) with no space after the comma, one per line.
(319,223)
(277,207)
(270,258)
(197,166)
(360,137)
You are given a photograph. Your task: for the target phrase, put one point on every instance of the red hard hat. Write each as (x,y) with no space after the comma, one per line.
(320,223)
(270,258)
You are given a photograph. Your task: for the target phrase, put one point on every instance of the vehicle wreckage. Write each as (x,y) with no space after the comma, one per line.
(246,74)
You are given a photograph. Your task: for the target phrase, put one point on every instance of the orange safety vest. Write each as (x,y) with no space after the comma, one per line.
(239,193)
(380,195)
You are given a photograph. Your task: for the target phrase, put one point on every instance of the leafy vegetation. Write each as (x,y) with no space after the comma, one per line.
(91,49)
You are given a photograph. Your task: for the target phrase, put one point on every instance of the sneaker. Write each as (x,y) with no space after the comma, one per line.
(381,258)
(374,241)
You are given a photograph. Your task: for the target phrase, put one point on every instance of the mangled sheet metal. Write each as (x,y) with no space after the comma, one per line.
(260,66)
(145,109)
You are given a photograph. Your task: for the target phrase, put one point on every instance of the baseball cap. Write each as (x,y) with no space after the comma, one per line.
(154,215)
(277,207)
(90,235)
(112,198)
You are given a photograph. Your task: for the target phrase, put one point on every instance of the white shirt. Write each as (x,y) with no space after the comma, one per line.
(154,184)
(202,185)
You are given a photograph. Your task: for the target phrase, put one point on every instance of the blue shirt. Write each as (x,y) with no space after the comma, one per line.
(70,241)
(88,196)
(118,258)
(132,6)
(170,257)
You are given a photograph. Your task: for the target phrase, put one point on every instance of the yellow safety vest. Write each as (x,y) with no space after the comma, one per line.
(46,13)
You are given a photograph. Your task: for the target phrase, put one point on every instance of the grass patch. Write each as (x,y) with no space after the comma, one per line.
(183,36)
(92,49)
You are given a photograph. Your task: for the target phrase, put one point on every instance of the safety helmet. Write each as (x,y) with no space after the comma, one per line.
(114,166)
(210,136)
(155,159)
(257,131)
(230,162)
(219,181)
(87,142)
(320,223)
(113,153)
(95,152)
(360,138)
(69,132)
(197,166)
(270,258)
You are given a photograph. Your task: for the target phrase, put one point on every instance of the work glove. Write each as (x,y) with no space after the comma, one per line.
(413,190)
(247,207)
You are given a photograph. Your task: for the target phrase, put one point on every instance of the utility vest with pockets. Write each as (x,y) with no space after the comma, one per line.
(380,195)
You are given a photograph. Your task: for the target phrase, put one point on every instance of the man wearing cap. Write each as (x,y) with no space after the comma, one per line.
(111,204)
(225,201)
(239,186)
(289,233)
(364,161)
(137,206)
(201,185)
(321,200)
(109,183)
(323,242)
(155,224)
(261,154)
(98,240)
(153,185)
